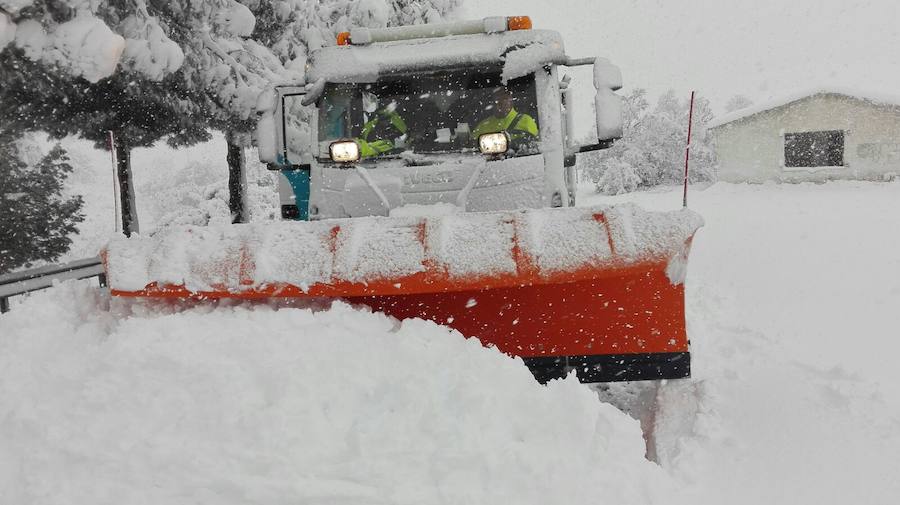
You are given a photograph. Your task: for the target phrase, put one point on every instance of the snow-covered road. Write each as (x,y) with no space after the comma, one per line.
(793,300)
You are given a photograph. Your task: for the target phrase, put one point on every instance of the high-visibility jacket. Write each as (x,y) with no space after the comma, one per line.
(519,126)
(381,128)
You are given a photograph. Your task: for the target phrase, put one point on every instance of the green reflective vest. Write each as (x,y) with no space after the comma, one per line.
(375,147)
(517,125)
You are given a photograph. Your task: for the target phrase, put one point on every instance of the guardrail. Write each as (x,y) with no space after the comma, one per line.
(19,283)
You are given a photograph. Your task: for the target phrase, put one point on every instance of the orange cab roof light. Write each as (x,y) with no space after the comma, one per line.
(343,39)
(518,23)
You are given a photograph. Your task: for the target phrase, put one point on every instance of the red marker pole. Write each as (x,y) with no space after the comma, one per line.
(687,149)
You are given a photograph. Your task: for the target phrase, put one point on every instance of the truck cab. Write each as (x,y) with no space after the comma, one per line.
(471,115)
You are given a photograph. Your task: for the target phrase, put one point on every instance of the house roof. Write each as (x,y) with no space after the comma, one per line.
(866,96)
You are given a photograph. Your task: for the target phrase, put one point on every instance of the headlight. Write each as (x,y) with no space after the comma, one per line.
(493,143)
(344,151)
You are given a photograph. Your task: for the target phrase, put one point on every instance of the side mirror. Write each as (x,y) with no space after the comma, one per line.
(607,75)
(608,107)
(607,104)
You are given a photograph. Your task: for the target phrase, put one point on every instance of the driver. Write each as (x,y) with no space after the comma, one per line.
(384,131)
(521,127)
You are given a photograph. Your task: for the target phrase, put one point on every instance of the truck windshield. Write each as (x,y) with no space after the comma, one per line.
(440,112)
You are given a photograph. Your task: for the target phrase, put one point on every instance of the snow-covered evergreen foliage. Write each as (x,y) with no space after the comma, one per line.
(223,50)
(35,219)
(38,97)
(652,149)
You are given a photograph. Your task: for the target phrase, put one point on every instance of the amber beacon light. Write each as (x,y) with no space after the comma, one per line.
(518,23)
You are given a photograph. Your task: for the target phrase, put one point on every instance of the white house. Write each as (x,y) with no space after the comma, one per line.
(813,136)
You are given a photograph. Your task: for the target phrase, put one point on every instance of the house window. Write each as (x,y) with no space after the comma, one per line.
(814,149)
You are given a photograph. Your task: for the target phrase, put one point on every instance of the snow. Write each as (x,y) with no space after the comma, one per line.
(31,38)
(525,60)
(472,244)
(187,186)
(565,246)
(7,30)
(366,249)
(235,19)
(85,46)
(110,402)
(155,55)
(874,98)
(791,309)
(264,136)
(370,13)
(377,249)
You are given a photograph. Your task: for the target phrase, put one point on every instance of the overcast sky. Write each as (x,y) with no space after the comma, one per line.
(758,48)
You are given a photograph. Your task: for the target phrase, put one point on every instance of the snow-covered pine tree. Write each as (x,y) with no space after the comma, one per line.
(35,218)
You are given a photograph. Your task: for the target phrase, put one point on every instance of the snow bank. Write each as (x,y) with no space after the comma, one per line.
(245,257)
(146,403)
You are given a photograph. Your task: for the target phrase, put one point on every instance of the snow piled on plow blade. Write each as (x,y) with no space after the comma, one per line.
(456,251)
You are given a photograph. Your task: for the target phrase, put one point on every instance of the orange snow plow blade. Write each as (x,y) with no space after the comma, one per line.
(595,290)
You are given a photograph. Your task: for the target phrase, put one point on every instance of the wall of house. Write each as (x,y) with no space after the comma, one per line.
(752,149)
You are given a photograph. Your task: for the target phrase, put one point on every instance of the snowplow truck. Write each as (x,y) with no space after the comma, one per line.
(428,171)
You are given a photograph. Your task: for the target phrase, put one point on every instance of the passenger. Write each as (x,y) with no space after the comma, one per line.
(521,127)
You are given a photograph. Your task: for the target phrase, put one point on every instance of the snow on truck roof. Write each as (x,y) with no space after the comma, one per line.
(865,96)
(365,63)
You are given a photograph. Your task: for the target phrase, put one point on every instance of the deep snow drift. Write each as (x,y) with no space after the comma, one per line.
(260,404)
